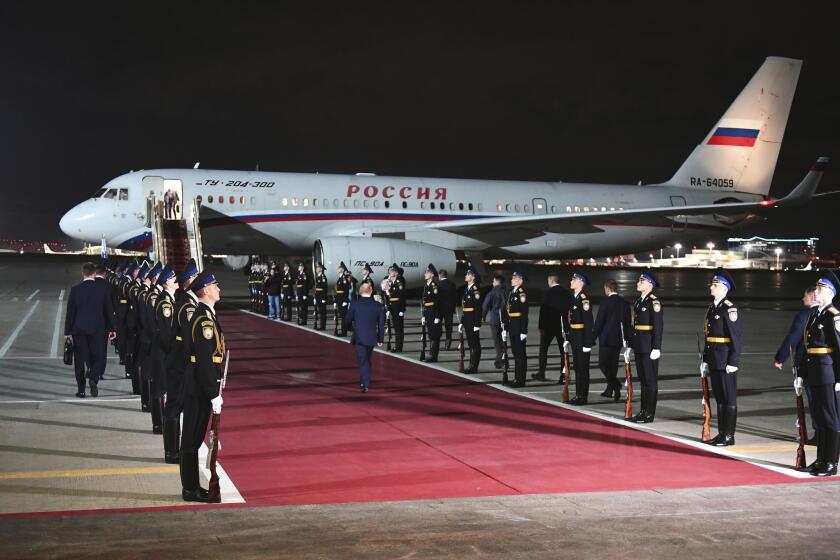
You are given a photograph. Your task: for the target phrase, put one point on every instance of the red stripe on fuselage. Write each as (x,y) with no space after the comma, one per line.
(732,141)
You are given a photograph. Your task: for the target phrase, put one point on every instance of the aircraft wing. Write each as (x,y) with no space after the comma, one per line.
(515,229)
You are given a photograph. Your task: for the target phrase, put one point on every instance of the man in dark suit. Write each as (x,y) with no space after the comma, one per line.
(366,318)
(493,308)
(612,325)
(556,303)
(795,340)
(89,316)
(98,367)
(449,300)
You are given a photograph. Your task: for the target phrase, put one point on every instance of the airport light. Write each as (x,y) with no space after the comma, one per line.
(678,246)
(748,246)
(778,252)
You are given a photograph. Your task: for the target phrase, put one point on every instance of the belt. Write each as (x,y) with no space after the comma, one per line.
(644,327)
(578,326)
(123,301)
(178,337)
(339,291)
(517,314)
(319,289)
(819,350)
(430,304)
(393,298)
(216,359)
(469,309)
(718,339)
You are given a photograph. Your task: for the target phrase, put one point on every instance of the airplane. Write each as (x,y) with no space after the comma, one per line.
(368,219)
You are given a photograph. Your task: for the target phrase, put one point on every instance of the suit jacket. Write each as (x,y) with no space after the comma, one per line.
(366,317)
(613,316)
(493,303)
(448,296)
(794,339)
(89,310)
(557,301)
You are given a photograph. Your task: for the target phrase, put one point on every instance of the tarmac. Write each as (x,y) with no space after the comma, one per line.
(59,453)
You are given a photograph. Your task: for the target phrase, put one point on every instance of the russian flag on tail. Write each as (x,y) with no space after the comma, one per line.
(724,136)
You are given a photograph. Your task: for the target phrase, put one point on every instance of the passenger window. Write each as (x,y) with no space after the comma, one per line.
(356,203)
(198,199)
(470,206)
(405,204)
(231,199)
(387,204)
(346,203)
(295,202)
(422,204)
(376,203)
(516,207)
(123,194)
(305,202)
(451,206)
(528,208)
(335,203)
(221,200)
(431,205)
(242,200)
(210,198)
(480,206)
(507,207)
(315,203)
(366,203)
(253,201)
(285,201)
(461,206)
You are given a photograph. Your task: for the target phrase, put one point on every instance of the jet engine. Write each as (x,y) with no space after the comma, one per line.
(380,253)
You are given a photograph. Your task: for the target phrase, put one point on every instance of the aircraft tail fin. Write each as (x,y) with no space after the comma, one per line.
(741,150)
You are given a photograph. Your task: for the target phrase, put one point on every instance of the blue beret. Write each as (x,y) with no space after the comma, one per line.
(155,270)
(519,274)
(829,279)
(722,276)
(204,279)
(190,270)
(165,275)
(650,278)
(144,270)
(582,277)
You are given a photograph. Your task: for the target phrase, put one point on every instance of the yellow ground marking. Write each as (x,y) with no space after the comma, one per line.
(89,472)
(765,449)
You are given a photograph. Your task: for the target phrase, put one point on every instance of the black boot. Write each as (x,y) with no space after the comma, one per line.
(434,350)
(718,438)
(650,409)
(640,416)
(819,462)
(726,437)
(191,491)
(831,441)
(448,343)
(144,395)
(474,365)
(157,415)
(469,368)
(171,441)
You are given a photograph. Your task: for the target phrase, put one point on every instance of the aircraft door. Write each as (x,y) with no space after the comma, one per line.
(173,196)
(539,206)
(679,222)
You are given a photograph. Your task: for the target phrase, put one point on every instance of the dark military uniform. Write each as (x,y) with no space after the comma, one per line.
(581,335)
(516,324)
(396,308)
(432,313)
(302,297)
(648,324)
(343,287)
(723,348)
(287,293)
(320,300)
(164,339)
(822,373)
(202,382)
(145,330)
(471,322)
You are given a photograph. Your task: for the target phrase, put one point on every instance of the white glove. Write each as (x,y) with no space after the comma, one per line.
(626,353)
(377,298)
(567,347)
(401,313)
(654,354)
(460,327)
(437,320)
(422,320)
(344,304)
(476,329)
(837,387)
(731,369)
(387,314)
(217,404)
(523,336)
(504,336)
(587,350)
(797,386)
(704,369)
(304,298)
(335,305)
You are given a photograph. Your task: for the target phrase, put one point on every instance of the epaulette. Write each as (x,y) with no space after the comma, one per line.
(833,310)
(651,296)
(728,303)
(582,295)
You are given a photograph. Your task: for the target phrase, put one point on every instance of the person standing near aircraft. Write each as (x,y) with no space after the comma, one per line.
(448,302)
(612,326)
(516,321)
(302,286)
(493,307)
(287,292)
(343,289)
(164,341)
(366,317)
(396,305)
(320,297)
(89,318)
(648,325)
(367,278)
(431,313)
(556,304)
(581,337)
(722,355)
(273,287)
(470,323)
(822,373)
(102,352)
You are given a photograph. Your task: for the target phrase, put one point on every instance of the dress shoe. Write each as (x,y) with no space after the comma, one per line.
(607,393)
(80,395)
(647,419)
(364,389)
(578,400)
(94,388)
(617,393)
(639,417)
(198,495)
(723,440)
(517,384)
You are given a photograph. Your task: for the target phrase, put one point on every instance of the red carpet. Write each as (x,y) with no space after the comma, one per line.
(296,430)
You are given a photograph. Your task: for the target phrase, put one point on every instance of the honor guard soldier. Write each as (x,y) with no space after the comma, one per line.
(149,367)
(822,373)
(343,288)
(302,294)
(722,355)
(396,305)
(581,336)
(516,326)
(647,344)
(202,381)
(177,359)
(164,339)
(287,293)
(431,312)
(320,297)
(132,341)
(144,336)
(448,303)
(367,279)
(470,323)
(252,285)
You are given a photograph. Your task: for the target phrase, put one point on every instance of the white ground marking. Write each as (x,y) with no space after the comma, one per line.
(56,330)
(17,330)
(33,294)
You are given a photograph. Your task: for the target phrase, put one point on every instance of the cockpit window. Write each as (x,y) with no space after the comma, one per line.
(99,193)
(123,194)
(112,194)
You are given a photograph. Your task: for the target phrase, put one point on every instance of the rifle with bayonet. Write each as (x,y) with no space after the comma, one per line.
(460,343)
(422,334)
(566,367)
(505,359)
(800,419)
(628,374)
(704,385)
(213,492)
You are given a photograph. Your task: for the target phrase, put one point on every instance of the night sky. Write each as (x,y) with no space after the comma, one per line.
(592,91)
